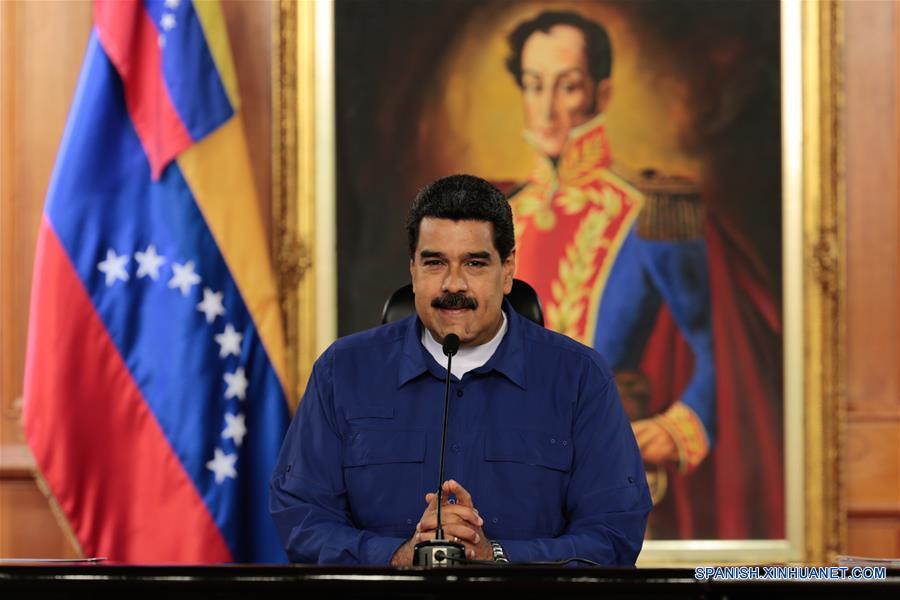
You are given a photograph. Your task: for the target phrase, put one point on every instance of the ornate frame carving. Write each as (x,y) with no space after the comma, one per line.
(824,279)
(295,183)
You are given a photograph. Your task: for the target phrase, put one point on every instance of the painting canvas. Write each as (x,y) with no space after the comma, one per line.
(640,146)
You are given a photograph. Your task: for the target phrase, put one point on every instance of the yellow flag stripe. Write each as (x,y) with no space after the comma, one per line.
(217,170)
(213,23)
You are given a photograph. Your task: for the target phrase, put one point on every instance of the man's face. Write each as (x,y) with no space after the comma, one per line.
(459,280)
(558,91)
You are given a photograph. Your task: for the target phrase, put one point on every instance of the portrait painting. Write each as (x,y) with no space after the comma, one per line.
(640,145)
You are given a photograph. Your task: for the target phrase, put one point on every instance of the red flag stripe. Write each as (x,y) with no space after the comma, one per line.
(124,491)
(131,42)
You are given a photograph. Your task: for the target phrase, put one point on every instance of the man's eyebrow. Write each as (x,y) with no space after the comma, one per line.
(533,73)
(481,254)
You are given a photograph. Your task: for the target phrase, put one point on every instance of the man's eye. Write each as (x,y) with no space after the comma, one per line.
(432,262)
(571,85)
(476,263)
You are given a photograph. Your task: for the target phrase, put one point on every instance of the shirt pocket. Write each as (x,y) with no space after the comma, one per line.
(524,478)
(383,475)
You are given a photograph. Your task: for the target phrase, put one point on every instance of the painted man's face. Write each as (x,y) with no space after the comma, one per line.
(558,90)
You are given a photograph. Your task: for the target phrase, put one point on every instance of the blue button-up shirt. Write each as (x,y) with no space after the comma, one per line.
(537,435)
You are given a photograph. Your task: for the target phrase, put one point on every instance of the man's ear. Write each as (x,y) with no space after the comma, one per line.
(412,275)
(509,271)
(604,92)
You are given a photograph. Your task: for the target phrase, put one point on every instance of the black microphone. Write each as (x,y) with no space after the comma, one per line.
(440,552)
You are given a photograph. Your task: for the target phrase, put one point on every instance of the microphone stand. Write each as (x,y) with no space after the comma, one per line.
(441,552)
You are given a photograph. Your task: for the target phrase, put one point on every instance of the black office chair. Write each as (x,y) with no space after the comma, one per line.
(522,296)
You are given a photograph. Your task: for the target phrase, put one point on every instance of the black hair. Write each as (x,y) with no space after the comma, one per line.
(597,47)
(463,198)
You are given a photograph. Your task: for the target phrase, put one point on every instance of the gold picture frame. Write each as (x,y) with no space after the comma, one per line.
(813,258)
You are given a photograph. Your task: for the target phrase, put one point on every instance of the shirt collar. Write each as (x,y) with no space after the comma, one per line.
(509,359)
(466,359)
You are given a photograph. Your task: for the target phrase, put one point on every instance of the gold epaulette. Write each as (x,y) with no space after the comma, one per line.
(672,208)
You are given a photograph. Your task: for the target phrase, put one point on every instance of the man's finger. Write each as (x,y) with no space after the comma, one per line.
(431,497)
(452,513)
(463,496)
(458,532)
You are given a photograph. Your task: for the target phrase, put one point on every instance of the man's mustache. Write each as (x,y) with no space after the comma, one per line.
(454,301)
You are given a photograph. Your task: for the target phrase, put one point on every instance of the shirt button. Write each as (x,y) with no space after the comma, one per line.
(455,447)
(459,393)
(495,520)
(451,501)
(552,440)
(565,442)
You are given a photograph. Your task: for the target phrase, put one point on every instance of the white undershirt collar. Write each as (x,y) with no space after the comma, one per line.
(467,359)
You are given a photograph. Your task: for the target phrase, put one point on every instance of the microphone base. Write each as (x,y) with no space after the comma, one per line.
(439,553)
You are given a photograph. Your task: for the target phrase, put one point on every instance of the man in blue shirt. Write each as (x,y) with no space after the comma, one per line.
(541,457)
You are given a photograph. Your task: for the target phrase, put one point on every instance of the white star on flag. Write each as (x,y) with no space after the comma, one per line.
(184,277)
(114,267)
(172,4)
(223,465)
(229,342)
(167,21)
(149,263)
(235,429)
(212,305)
(237,384)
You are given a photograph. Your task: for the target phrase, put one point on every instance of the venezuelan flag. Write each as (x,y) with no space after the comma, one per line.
(154,384)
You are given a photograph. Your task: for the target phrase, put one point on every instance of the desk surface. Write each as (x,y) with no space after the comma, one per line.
(250,582)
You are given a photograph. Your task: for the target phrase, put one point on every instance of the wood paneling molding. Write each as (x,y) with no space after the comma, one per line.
(872,451)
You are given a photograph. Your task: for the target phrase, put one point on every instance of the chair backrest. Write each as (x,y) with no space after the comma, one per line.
(522,296)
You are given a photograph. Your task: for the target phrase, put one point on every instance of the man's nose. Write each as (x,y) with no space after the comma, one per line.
(455,281)
(547,101)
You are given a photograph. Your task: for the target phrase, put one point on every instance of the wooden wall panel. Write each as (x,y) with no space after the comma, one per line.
(872,451)
(27,527)
(873,462)
(41,49)
(873,536)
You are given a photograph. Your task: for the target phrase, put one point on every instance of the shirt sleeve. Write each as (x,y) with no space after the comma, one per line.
(308,499)
(608,501)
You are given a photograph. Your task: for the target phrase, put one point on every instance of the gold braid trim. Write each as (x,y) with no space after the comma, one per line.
(687,432)
(571,187)
(534,202)
(576,269)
